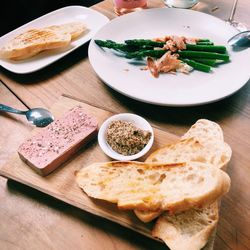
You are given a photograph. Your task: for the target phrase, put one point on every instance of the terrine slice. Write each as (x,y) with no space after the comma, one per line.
(57,142)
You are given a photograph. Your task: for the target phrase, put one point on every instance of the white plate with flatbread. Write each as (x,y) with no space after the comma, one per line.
(168,89)
(92,19)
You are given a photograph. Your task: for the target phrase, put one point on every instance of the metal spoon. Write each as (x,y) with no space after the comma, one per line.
(38,116)
(241,39)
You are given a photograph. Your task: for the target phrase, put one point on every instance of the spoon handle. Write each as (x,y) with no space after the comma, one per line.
(5,108)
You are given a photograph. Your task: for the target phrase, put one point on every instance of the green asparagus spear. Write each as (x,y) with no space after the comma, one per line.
(143,42)
(144,53)
(132,50)
(208,48)
(205,43)
(201,47)
(121,46)
(202,54)
(140,42)
(197,65)
(209,62)
(112,45)
(183,54)
(204,40)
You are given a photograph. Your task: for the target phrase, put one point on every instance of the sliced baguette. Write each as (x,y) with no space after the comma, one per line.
(187,230)
(193,149)
(206,131)
(34,41)
(193,228)
(147,186)
(203,142)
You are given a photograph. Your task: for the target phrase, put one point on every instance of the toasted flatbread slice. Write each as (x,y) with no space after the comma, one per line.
(27,55)
(203,142)
(75,29)
(187,230)
(34,41)
(147,186)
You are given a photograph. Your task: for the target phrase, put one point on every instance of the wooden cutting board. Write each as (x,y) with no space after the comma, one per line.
(61,183)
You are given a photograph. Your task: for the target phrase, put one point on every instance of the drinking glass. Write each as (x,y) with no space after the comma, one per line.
(126,6)
(181,3)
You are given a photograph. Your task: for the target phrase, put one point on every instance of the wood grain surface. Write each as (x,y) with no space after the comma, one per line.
(31,220)
(61,183)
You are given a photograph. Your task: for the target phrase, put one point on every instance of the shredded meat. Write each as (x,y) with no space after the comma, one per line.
(191,40)
(167,63)
(151,63)
(170,45)
(162,39)
(179,41)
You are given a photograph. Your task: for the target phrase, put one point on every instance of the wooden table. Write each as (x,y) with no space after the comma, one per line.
(32,220)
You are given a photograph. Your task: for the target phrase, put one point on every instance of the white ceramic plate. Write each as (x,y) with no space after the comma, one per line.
(91,18)
(171,90)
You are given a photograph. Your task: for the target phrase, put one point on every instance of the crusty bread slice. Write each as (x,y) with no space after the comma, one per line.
(193,149)
(206,131)
(193,228)
(75,29)
(187,230)
(148,186)
(203,142)
(34,41)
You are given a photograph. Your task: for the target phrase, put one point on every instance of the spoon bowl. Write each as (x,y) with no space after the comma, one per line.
(40,117)
(241,39)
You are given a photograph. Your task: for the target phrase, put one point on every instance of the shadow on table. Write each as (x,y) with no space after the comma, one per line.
(14,13)
(220,110)
(101,224)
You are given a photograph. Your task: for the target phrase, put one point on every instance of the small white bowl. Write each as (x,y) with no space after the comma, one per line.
(139,122)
